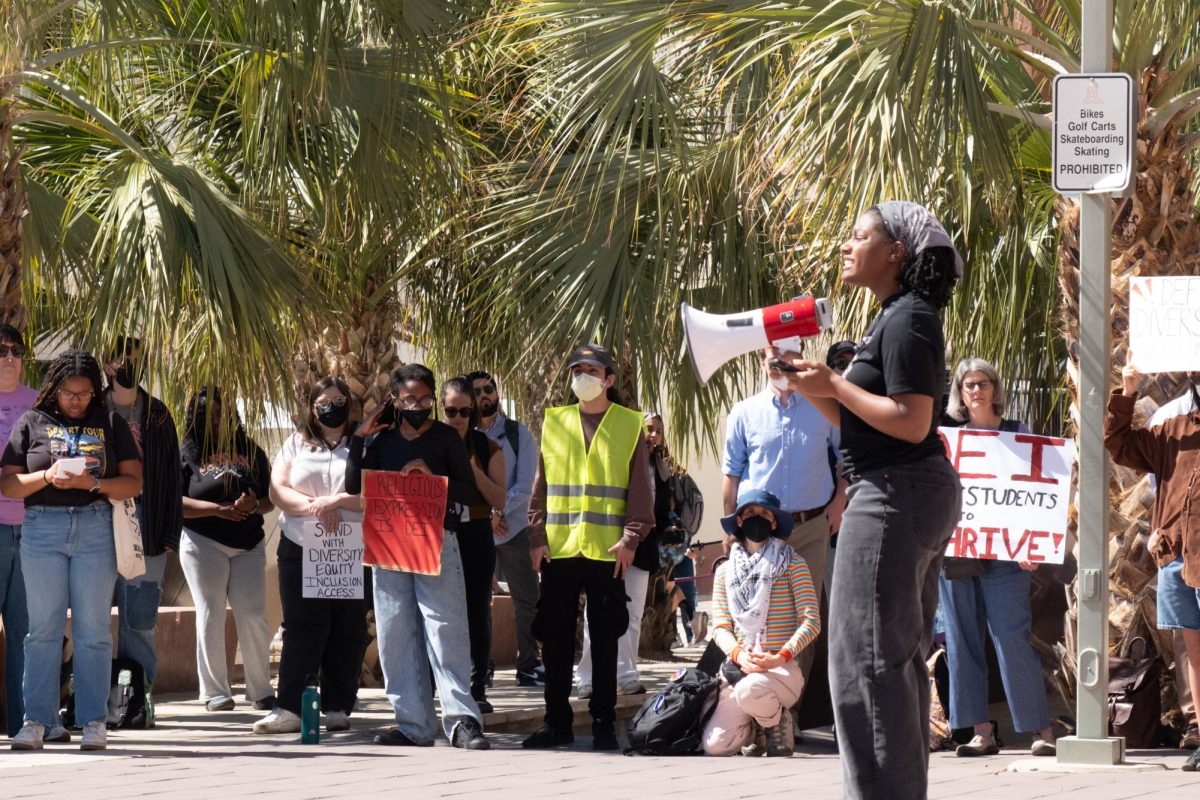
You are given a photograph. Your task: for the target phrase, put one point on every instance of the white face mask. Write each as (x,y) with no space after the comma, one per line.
(587,387)
(781,383)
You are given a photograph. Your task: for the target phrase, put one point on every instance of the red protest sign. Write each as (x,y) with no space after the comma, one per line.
(404,521)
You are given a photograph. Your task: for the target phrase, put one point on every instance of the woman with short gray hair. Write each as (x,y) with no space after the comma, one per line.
(976,593)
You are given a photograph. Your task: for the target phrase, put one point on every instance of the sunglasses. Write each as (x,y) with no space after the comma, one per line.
(452,411)
(16,351)
(328,404)
(481,390)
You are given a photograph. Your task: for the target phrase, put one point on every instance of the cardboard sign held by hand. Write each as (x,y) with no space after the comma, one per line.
(404,521)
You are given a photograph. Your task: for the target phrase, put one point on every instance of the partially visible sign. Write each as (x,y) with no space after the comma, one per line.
(1093,143)
(1016,489)
(333,561)
(1164,323)
(404,520)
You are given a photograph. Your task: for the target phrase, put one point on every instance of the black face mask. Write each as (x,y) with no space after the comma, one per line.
(333,416)
(757,529)
(415,417)
(125,376)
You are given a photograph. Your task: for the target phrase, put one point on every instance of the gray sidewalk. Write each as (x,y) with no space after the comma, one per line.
(197,754)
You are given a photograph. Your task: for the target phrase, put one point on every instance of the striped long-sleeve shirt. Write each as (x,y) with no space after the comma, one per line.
(793,617)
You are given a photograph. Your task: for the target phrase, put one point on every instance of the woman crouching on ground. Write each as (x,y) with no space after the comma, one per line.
(764,614)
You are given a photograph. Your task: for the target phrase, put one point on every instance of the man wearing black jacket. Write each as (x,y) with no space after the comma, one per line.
(160,506)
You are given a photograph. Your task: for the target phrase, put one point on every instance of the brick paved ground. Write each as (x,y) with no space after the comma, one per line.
(196,754)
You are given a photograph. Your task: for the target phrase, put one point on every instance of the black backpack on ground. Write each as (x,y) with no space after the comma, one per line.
(672,722)
(127,695)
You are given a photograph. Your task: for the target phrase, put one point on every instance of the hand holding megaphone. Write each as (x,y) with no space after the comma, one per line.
(713,339)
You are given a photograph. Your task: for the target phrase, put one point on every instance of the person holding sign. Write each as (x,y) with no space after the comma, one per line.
(592,505)
(421,618)
(66,458)
(903,502)
(1171,450)
(475,542)
(990,593)
(323,636)
(226,482)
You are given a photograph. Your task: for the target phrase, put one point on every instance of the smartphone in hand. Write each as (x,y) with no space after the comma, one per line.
(388,417)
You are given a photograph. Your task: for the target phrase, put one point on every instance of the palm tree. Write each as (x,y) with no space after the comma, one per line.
(716,152)
(237,181)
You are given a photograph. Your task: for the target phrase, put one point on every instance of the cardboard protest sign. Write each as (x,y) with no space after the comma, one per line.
(1016,488)
(404,520)
(1164,323)
(333,561)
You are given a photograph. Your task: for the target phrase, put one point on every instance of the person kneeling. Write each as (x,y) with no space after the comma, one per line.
(765,613)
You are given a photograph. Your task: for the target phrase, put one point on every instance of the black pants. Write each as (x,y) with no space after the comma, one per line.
(885,591)
(478,552)
(320,637)
(563,579)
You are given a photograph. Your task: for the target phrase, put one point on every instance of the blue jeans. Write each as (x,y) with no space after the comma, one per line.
(137,605)
(16,622)
(421,622)
(997,600)
(68,560)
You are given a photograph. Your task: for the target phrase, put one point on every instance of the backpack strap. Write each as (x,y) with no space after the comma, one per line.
(512,432)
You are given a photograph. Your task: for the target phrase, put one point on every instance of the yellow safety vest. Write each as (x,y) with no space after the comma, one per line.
(586,488)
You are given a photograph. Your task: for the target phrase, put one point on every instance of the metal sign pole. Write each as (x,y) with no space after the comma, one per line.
(1091,743)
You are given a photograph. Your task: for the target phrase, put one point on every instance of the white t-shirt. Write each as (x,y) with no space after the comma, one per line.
(316,471)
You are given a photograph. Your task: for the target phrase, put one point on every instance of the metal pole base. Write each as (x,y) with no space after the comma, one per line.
(1075,750)
(1086,756)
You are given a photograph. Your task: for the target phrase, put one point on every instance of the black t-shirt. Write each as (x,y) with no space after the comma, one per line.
(221,477)
(902,353)
(440,447)
(40,438)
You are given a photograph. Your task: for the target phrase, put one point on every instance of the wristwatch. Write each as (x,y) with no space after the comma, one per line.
(95,489)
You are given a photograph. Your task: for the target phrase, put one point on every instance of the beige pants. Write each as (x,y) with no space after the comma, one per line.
(761,697)
(811,541)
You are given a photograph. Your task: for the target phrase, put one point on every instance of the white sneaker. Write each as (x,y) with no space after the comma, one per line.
(337,721)
(95,736)
(29,737)
(631,688)
(585,691)
(280,720)
(58,734)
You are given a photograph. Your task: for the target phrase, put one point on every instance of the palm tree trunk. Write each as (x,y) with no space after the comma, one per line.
(13,209)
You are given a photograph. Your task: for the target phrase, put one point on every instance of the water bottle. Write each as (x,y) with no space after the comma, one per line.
(310,712)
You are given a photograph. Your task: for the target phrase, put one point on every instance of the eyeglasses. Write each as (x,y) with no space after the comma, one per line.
(326,405)
(971,386)
(482,390)
(453,411)
(414,402)
(16,351)
(65,395)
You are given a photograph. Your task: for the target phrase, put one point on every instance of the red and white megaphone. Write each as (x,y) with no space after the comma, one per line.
(713,339)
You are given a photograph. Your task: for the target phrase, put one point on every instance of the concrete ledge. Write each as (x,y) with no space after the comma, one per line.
(1051,765)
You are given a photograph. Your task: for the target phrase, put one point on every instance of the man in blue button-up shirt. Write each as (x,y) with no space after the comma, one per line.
(509,526)
(778,441)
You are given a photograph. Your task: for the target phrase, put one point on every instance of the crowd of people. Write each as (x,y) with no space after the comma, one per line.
(836,484)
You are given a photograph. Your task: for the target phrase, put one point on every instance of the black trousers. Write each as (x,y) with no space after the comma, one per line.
(320,637)
(563,580)
(478,552)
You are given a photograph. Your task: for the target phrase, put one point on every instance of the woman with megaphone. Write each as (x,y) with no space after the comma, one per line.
(903,500)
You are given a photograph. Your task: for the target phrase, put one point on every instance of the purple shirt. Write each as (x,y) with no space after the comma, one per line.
(12,405)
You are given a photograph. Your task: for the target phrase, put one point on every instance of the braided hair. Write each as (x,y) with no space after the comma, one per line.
(197,443)
(930,274)
(73,363)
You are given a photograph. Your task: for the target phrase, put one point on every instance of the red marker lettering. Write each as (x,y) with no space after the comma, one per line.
(1039,443)
(961,454)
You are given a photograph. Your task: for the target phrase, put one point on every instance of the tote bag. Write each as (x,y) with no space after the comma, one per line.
(127,538)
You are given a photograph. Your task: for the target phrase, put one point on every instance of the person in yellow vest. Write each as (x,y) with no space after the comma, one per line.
(593,502)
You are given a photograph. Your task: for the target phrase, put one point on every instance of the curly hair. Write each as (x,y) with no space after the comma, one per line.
(929,274)
(73,363)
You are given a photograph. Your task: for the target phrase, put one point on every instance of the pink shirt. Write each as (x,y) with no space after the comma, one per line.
(12,405)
